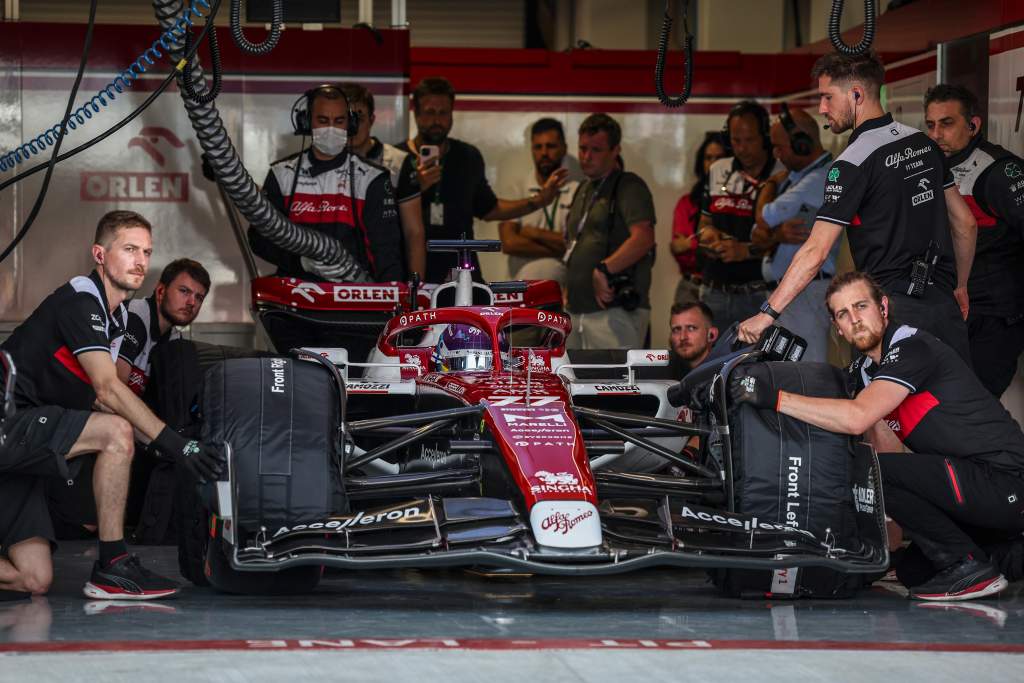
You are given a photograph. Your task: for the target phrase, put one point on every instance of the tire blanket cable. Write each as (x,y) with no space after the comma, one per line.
(239,185)
(835,33)
(659,65)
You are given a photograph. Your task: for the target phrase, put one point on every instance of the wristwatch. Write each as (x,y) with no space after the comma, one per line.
(767,308)
(602,267)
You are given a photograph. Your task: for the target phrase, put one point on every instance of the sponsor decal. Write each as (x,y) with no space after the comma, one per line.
(99,328)
(737,204)
(544,317)
(455,388)
(894,132)
(834,188)
(433,454)
(490,311)
(864,499)
(307,289)
(1012,170)
(369,387)
(833,175)
(534,420)
(508,297)
(388,294)
(922,197)
(729,519)
(923,183)
(425,317)
(914,164)
(412,360)
(617,389)
(535,400)
(654,357)
(537,361)
(894,160)
(413,513)
(129,336)
(554,478)
(568,483)
(304,207)
(894,424)
(277,366)
(133,186)
(95,317)
(562,523)
(892,356)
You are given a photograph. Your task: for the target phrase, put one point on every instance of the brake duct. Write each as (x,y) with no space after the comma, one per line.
(235,179)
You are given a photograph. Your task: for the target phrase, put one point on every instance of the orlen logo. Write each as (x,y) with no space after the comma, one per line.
(653,357)
(387,294)
(135,186)
(561,523)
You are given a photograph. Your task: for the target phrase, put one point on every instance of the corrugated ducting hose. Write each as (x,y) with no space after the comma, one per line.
(237,182)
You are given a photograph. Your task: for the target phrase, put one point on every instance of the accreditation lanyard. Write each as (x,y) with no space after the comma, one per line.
(590,205)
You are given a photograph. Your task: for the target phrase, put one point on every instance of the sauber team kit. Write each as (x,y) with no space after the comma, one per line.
(454,443)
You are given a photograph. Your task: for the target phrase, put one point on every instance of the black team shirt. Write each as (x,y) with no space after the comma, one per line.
(948,412)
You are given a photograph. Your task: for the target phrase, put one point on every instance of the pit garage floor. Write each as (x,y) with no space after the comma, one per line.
(451,626)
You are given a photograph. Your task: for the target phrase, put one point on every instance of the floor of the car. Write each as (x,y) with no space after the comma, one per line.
(456,625)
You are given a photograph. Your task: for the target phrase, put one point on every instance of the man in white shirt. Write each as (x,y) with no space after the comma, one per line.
(535,242)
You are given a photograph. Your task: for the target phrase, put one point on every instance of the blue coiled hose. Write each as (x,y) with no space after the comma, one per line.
(108,93)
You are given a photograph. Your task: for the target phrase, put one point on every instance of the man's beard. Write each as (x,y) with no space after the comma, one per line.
(866,343)
(124,285)
(176,320)
(842,123)
(435,135)
(546,167)
(691,353)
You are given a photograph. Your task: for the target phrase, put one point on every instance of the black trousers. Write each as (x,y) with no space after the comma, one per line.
(936,312)
(995,348)
(936,500)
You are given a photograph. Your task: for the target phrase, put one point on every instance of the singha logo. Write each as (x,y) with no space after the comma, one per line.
(554,479)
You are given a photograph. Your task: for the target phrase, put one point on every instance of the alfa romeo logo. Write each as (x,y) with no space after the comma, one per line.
(833,175)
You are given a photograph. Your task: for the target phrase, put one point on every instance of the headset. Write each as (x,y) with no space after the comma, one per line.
(301,121)
(800,141)
(750,107)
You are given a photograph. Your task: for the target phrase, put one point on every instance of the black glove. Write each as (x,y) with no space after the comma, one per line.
(204,461)
(753,385)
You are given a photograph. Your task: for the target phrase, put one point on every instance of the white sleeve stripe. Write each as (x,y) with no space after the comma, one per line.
(91,348)
(948,185)
(901,382)
(831,220)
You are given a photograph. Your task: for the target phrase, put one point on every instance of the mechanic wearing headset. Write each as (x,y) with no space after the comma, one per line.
(732,284)
(890,189)
(964,471)
(64,357)
(991,180)
(785,206)
(333,191)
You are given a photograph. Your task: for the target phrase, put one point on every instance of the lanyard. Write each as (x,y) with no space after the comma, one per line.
(550,218)
(590,205)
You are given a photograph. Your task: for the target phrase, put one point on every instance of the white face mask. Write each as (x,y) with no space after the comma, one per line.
(330,141)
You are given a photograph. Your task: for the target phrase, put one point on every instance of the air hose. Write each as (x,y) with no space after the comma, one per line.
(187,87)
(659,65)
(835,34)
(276,20)
(239,185)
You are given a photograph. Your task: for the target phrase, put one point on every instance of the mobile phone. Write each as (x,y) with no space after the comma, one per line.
(429,154)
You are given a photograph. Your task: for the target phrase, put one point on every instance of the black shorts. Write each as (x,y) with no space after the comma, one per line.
(36,443)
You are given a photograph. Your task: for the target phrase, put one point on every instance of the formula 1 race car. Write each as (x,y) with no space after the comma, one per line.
(468,437)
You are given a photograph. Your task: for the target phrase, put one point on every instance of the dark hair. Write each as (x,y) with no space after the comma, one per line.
(595,123)
(193,269)
(113,221)
(326,92)
(866,69)
(712,137)
(357,94)
(546,124)
(750,108)
(945,92)
(678,308)
(846,279)
(432,85)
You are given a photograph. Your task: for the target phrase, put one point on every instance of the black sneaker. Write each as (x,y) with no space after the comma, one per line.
(966,580)
(126,579)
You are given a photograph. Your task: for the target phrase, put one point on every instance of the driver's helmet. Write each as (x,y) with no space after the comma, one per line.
(463,347)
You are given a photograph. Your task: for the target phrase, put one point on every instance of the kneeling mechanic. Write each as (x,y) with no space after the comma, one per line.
(951,456)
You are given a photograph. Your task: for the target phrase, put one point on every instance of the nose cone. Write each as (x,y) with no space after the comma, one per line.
(566,524)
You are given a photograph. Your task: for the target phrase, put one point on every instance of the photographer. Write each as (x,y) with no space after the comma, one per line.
(611,245)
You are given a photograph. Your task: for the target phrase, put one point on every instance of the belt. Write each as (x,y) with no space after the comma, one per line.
(740,288)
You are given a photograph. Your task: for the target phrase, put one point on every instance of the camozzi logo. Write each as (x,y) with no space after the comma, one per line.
(139,186)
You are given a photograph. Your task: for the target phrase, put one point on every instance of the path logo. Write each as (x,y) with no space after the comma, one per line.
(134,186)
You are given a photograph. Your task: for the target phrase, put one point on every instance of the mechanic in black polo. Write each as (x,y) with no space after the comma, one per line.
(991,180)
(64,357)
(893,194)
(964,472)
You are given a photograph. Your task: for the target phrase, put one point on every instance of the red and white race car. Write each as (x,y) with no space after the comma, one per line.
(469,437)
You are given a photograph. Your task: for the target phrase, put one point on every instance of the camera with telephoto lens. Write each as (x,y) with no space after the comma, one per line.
(626,294)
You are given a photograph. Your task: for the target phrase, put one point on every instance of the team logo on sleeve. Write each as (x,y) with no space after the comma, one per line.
(833,175)
(1013,171)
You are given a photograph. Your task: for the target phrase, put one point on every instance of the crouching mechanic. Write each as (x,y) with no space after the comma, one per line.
(64,354)
(175,303)
(951,457)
